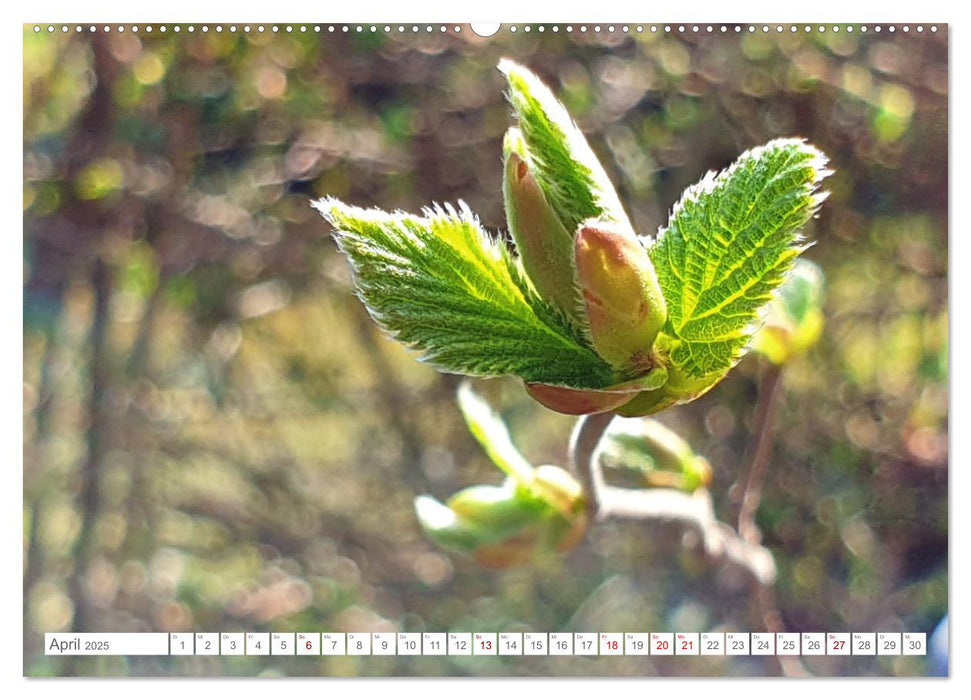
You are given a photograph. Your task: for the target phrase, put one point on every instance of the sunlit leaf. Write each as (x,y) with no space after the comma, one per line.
(491,432)
(728,246)
(440,284)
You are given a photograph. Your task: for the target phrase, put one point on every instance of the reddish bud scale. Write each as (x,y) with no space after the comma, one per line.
(578,402)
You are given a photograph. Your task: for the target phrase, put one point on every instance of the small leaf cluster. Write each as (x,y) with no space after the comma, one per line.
(590,315)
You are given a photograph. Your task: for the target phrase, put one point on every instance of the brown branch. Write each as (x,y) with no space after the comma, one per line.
(761,451)
(696,513)
(693,511)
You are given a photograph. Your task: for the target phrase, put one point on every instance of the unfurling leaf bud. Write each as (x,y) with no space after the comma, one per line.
(625,308)
(660,454)
(508,525)
(794,320)
(558,488)
(545,246)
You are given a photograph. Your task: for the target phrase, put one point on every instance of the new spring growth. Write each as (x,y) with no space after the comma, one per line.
(623,310)
(624,305)
(660,455)
(794,319)
(545,246)
(588,314)
(509,525)
(534,511)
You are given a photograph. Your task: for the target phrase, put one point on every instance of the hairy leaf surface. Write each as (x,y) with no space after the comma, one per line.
(489,429)
(568,171)
(442,285)
(728,245)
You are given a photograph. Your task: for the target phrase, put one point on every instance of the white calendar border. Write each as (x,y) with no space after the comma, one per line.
(821,10)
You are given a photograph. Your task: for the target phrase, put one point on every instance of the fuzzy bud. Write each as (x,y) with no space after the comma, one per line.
(624,305)
(545,246)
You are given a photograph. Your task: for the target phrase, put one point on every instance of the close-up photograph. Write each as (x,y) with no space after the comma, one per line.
(513,350)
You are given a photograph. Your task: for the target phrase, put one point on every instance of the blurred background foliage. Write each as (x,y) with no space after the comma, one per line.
(217,437)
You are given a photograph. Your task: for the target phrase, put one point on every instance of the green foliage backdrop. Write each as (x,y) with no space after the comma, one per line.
(218,438)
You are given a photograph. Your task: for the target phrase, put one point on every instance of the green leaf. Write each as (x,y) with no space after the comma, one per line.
(441,285)
(727,247)
(491,432)
(567,170)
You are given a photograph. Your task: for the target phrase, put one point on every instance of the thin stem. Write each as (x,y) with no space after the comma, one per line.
(587,434)
(693,511)
(762,451)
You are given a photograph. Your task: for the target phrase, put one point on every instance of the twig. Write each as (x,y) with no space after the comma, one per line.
(759,453)
(694,511)
(752,495)
(584,463)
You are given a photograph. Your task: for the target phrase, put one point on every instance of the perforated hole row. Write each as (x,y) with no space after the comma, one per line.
(514,28)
